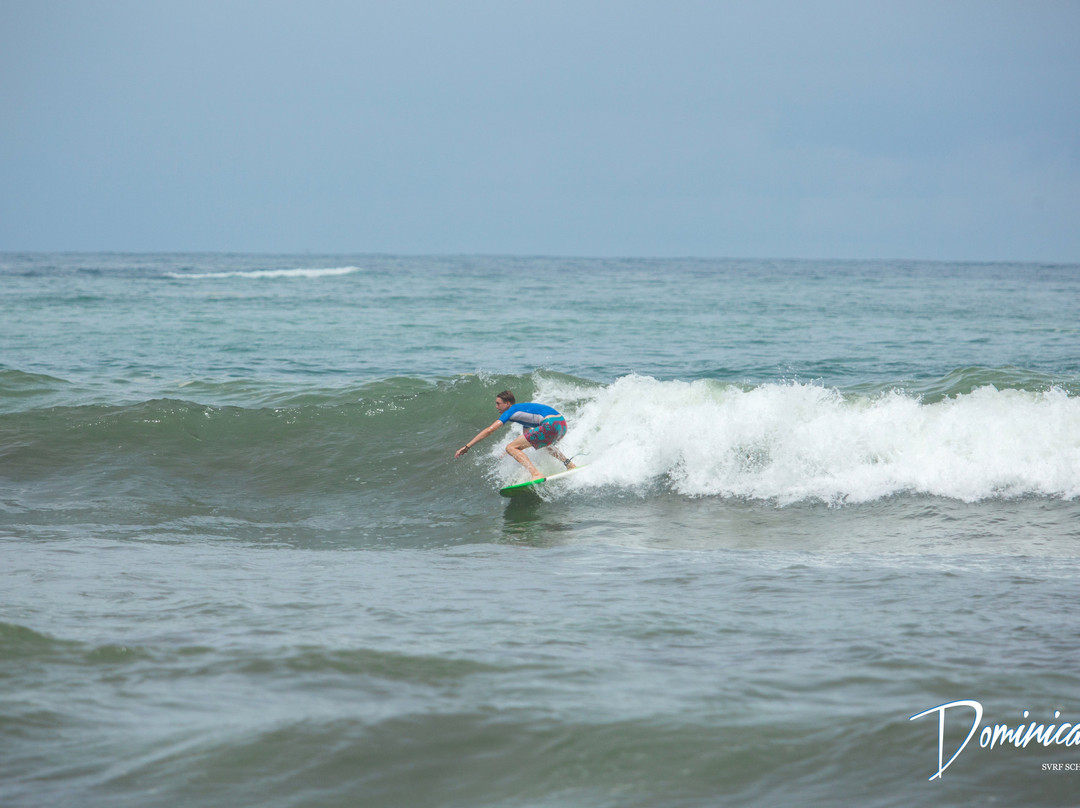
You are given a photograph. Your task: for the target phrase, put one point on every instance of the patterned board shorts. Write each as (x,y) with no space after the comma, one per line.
(546,433)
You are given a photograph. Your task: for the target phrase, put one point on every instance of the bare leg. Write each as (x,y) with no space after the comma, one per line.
(516,449)
(561,457)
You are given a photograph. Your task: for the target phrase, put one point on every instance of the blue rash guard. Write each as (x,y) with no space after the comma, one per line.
(542,425)
(529,415)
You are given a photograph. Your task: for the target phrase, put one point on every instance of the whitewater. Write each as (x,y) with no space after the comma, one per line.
(792,442)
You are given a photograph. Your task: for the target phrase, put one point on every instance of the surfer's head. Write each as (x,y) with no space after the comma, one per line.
(504,400)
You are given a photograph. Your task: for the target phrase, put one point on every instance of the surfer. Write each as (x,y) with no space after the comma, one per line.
(544,427)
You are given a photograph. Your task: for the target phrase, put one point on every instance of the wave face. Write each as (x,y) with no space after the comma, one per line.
(779,442)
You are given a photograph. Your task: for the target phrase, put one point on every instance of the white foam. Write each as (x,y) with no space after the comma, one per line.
(802,442)
(268,273)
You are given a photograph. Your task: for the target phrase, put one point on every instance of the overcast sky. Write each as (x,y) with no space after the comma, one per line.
(829,129)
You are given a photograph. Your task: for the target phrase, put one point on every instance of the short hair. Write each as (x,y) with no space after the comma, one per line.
(506,396)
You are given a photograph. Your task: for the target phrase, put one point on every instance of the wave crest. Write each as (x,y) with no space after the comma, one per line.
(267,273)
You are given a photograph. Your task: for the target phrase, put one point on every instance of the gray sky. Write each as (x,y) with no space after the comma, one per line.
(830,129)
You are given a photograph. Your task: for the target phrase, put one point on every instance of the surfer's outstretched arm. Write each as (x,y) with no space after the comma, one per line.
(483,433)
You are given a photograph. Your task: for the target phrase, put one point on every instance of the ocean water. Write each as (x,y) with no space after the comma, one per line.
(240,566)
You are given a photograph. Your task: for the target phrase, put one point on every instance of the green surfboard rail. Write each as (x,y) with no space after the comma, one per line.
(529,486)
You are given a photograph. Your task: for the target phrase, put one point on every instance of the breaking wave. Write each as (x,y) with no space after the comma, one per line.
(781,442)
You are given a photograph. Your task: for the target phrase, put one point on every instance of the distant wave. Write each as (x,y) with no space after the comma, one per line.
(268,273)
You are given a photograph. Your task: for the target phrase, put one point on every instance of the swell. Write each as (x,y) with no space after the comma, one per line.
(21,646)
(514,757)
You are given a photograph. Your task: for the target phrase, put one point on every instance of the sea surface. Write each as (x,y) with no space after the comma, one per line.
(828,529)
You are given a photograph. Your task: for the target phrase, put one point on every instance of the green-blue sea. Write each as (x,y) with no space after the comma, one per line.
(825,550)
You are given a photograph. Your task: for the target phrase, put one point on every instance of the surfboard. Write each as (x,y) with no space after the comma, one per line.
(531,486)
